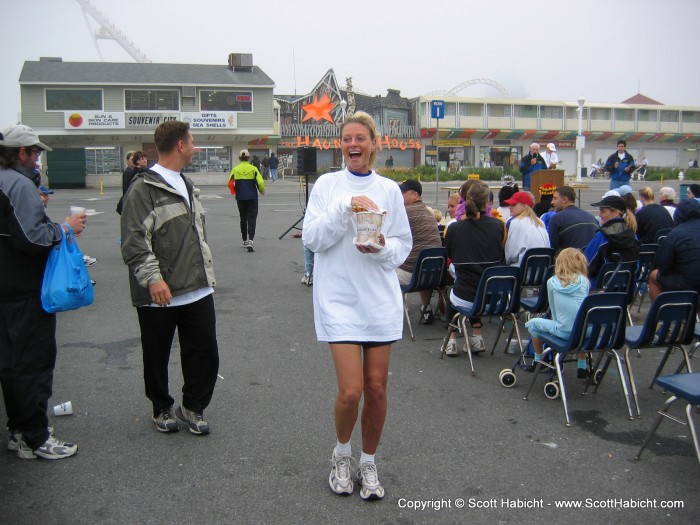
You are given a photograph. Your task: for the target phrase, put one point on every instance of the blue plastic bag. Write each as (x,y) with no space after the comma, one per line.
(66,284)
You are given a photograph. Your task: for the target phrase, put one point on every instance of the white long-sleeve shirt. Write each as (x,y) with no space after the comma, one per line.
(357,296)
(522,235)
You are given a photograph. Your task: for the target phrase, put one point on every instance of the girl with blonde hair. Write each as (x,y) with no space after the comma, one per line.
(525,229)
(566,290)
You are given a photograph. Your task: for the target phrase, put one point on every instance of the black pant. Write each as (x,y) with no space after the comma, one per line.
(249,217)
(199,352)
(27,360)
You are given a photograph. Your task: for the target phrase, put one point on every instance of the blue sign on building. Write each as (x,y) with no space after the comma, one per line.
(438,109)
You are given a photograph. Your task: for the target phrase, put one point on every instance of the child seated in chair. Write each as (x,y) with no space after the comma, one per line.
(566,289)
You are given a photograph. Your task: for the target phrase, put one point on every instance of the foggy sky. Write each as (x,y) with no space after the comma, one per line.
(538,50)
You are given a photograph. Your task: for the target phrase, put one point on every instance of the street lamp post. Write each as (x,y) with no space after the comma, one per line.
(580,139)
(343,106)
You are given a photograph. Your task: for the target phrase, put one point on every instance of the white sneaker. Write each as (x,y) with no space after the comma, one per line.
(476,342)
(13,444)
(369,481)
(451,348)
(245,244)
(51,449)
(340,478)
(305,279)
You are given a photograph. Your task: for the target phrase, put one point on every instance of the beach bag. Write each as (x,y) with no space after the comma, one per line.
(232,186)
(66,284)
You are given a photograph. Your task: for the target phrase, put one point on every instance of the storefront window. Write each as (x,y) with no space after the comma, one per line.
(102,161)
(214,159)
(151,100)
(493,156)
(73,99)
(226,101)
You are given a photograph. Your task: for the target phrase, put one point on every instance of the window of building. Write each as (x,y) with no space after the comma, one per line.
(601,113)
(525,111)
(691,117)
(450,109)
(553,112)
(151,100)
(102,161)
(624,114)
(572,113)
(210,159)
(226,101)
(73,99)
(647,115)
(668,116)
(499,110)
(470,110)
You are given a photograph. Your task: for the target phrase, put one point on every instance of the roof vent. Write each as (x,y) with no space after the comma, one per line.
(50,59)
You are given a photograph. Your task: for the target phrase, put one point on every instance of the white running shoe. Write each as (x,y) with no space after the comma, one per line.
(340,478)
(51,449)
(369,481)
(476,342)
(451,348)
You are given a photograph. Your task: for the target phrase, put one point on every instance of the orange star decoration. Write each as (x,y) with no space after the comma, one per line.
(319,109)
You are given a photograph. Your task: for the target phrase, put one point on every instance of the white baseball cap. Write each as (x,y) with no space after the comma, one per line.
(21,136)
(552,146)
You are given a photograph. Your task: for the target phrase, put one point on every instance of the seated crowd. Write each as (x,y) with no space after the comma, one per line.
(478,236)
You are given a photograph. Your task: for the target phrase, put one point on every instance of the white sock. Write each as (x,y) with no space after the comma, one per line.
(366,458)
(343,449)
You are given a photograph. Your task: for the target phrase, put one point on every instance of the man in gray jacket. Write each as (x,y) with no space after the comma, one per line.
(27,332)
(171,276)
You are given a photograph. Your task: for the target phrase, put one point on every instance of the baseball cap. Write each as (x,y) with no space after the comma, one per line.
(519,197)
(611,193)
(614,202)
(552,146)
(46,191)
(21,136)
(244,153)
(411,184)
(624,190)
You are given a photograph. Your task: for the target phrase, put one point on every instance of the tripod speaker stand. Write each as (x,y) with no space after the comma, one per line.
(306,165)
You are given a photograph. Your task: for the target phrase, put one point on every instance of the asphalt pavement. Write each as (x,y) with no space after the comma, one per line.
(456,448)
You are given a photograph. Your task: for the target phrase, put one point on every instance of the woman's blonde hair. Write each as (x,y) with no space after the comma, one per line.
(647,194)
(366,120)
(529,213)
(569,265)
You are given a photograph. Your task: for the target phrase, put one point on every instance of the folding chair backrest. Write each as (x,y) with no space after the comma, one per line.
(498,292)
(661,235)
(617,277)
(671,319)
(600,323)
(541,304)
(534,266)
(429,270)
(647,257)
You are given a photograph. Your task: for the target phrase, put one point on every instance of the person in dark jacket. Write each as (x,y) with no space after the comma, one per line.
(570,227)
(274,163)
(27,332)
(615,241)
(678,258)
(474,244)
(531,163)
(248,182)
(651,218)
(620,165)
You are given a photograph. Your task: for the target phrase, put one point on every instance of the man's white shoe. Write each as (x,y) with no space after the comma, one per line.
(340,478)
(451,348)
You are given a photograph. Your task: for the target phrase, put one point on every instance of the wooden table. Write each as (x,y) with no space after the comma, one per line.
(450,190)
(578,186)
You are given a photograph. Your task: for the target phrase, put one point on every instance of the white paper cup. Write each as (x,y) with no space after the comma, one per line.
(77,210)
(64,409)
(369,226)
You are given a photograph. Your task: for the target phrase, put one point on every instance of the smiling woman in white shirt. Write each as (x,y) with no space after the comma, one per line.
(358,307)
